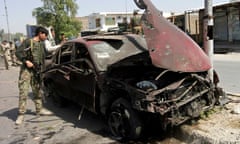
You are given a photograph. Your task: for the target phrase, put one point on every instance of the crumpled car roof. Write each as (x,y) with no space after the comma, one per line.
(106,50)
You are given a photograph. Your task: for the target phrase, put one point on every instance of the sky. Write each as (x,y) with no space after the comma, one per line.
(20,11)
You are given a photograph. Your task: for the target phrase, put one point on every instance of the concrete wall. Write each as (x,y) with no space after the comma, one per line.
(104,16)
(226,23)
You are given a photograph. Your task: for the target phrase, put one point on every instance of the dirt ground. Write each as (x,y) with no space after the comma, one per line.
(222,126)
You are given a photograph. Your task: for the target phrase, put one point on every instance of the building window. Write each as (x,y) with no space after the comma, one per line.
(98,22)
(125,20)
(110,21)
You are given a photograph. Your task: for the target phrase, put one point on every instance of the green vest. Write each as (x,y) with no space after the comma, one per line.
(31,50)
(38,52)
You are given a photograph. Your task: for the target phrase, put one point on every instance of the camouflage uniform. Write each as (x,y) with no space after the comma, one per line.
(4,48)
(29,76)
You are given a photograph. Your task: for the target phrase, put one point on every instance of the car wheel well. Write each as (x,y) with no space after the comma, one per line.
(123,121)
(113,96)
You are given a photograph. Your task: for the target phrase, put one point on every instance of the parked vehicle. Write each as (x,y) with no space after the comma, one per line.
(128,78)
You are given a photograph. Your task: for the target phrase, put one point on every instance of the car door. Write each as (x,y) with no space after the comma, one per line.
(60,76)
(82,79)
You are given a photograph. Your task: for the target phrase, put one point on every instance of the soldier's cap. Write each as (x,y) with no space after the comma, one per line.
(42,30)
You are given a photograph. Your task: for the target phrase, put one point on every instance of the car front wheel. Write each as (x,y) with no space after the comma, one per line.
(123,121)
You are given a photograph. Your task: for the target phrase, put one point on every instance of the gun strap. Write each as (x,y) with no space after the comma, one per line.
(31,48)
(31,44)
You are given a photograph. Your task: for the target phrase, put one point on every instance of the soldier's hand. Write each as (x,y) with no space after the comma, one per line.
(29,64)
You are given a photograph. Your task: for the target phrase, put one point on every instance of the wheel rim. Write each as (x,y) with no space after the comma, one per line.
(123,122)
(118,124)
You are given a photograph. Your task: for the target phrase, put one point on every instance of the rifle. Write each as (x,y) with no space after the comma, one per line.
(36,67)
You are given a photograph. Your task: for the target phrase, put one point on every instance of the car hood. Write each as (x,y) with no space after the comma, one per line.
(169,46)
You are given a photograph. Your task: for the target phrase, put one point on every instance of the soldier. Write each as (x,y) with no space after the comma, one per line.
(31,53)
(5,49)
(12,53)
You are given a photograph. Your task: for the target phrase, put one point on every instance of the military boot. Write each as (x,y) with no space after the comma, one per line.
(44,112)
(19,120)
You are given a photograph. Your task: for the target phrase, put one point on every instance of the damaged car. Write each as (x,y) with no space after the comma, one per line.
(130,77)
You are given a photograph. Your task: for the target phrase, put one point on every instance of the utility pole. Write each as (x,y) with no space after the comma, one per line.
(6,13)
(208,34)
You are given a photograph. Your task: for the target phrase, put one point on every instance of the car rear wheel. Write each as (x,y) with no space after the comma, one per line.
(123,122)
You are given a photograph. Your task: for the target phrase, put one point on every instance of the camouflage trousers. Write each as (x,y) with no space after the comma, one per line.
(27,78)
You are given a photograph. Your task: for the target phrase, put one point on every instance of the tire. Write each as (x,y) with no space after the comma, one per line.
(123,122)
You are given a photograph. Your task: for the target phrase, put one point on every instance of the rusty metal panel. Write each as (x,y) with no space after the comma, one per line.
(170,47)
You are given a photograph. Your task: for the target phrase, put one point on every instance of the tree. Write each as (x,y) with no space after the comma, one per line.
(1,34)
(61,15)
(18,36)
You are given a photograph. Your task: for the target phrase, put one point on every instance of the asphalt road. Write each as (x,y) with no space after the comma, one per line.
(65,128)
(228,68)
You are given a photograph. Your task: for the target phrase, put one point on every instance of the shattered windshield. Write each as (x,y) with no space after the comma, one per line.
(108,51)
(103,53)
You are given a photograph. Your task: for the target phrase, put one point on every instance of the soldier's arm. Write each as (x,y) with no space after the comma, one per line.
(49,47)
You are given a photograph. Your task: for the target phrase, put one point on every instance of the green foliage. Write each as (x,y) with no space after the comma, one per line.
(1,34)
(61,15)
(210,112)
(18,36)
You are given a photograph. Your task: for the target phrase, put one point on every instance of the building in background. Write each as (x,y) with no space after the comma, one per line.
(226,30)
(107,20)
(113,21)
(226,24)
(234,1)
(84,21)
(187,22)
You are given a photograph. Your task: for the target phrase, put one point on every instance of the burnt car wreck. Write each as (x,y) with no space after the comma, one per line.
(128,77)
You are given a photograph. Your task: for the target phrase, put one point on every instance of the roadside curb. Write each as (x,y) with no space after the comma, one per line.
(227,57)
(233,94)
